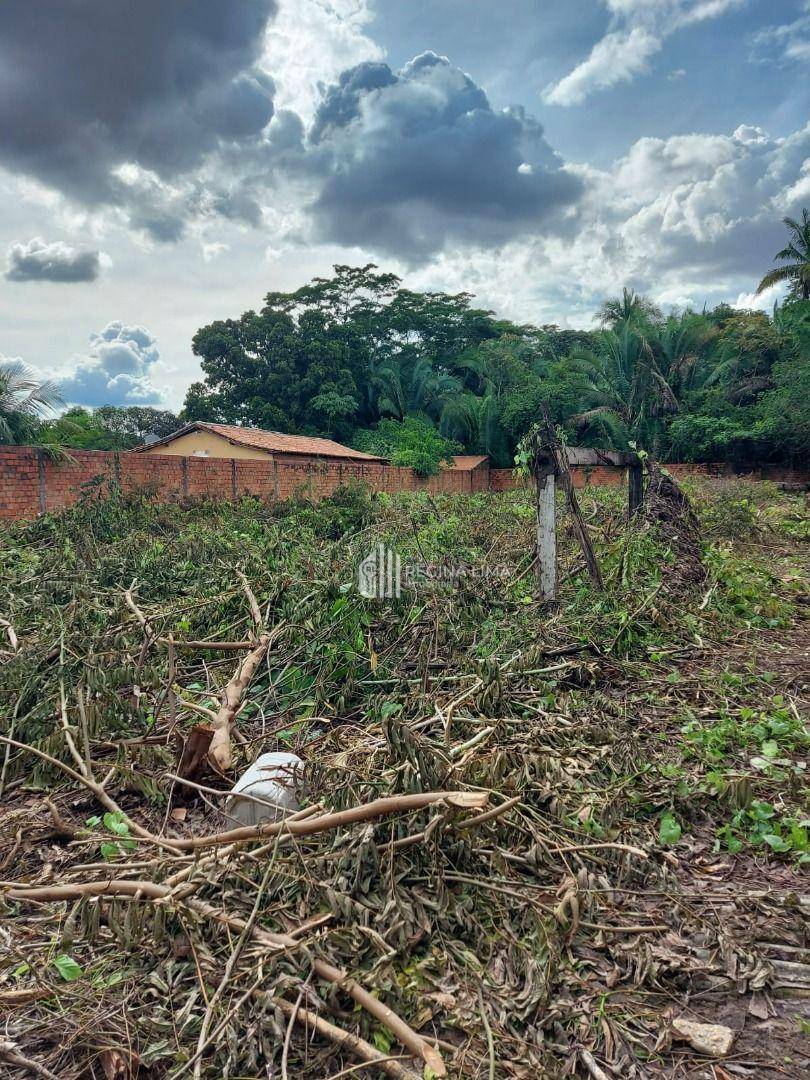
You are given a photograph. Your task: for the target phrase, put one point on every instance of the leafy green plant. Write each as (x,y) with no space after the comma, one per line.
(760,825)
(114,822)
(67,967)
(669,830)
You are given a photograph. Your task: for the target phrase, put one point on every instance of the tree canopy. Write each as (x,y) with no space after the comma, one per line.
(418,376)
(110,427)
(358,358)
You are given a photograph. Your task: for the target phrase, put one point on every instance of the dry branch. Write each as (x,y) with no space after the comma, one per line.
(150,890)
(9,1052)
(219,752)
(344,1040)
(394,804)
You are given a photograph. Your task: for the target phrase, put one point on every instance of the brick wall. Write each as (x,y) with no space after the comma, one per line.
(31,483)
(613,475)
(582,476)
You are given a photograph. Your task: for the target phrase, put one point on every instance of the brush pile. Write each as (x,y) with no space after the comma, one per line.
(529,843)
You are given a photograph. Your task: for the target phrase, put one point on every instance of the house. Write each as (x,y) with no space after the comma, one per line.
(200,439)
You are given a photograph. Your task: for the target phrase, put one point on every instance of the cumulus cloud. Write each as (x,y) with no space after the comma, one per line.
(41,261)
(704,207)
(636,33)
(688,220)
(412,159)
(187,129)
(89,88)
(117,369)
(310,42)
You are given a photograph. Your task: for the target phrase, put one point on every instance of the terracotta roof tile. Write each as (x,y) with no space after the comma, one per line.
(466,462)
(271,441)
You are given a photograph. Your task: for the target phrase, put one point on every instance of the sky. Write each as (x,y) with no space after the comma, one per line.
(164,164)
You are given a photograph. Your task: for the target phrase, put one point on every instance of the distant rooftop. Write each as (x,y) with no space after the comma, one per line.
(271,441)
(467,462)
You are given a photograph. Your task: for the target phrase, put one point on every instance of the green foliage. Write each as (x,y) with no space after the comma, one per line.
(346,510)
(761,826)
(67,967)
(24,399)
(113,822)
(669,831)
(108,428)
(796,258)
(341,355)
(338,356)
(413,443)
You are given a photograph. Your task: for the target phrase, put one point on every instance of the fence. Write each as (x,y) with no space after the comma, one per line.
(30,483)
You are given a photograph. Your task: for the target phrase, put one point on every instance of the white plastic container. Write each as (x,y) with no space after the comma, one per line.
(273,782)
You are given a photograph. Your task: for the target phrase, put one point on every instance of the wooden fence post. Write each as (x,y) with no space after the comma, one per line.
(546,535)
(635,487)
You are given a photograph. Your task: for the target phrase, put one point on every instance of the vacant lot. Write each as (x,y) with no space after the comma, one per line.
(642,752)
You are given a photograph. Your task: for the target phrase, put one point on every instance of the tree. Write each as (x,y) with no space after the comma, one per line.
(201,404)
(413,386)
(499,397)
(344,354)
(336,355)
(81,429)
(679,347)
(628,310)
(23,400)
(747,348)
(108,428)
(133,424)
(413,443)
(796,256)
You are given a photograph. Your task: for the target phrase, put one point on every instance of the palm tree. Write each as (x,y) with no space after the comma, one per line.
(473,422)
(632,379)
(678,348)
(404,386)
(797,257)
(628,310)
(23,400)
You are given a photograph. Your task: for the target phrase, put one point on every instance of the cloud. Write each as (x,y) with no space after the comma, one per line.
(706,207)
(410,160)
(186,132)
(787,41)
(310,42)
(636,33)
(88,88)
(117,369)
(689,220)
(618,57)
(40,261)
